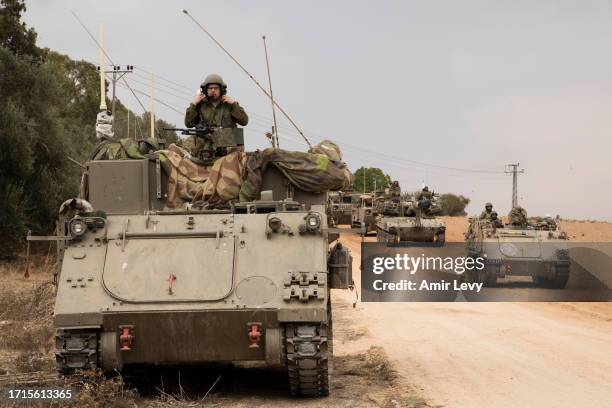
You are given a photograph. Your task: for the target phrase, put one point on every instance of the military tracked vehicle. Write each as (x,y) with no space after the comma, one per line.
(139,283)
(518,249)
(411,220)
(364,214)
(341,205)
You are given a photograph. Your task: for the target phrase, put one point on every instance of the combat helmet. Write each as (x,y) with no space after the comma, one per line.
(214,79)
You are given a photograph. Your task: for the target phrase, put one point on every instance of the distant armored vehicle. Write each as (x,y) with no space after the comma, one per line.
(518,249)
(364,214)
(341,206)
(411,220)
(141,283)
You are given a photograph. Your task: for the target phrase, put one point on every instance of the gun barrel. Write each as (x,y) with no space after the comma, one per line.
(192,131)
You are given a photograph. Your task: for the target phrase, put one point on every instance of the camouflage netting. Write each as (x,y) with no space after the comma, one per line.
(321,169)
(185,178)
(238,175)
(116,150)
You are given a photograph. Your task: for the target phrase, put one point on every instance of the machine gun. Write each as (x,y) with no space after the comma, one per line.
(197,131)
(213,142)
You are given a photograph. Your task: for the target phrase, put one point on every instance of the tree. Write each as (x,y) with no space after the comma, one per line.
(370,179)
(14,35)
(48,107)
(451,204)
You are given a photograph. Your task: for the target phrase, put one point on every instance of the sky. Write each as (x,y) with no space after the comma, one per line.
(443,93)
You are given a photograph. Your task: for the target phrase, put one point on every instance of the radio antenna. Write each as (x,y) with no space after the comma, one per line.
(275,127)
(250,76)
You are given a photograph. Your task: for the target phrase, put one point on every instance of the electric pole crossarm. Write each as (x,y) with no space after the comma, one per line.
(513,169)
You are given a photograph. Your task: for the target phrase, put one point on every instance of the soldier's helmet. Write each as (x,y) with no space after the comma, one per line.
(493,214)
(148,145)
(395,183)
(214,79)
(425,188)
(488,205)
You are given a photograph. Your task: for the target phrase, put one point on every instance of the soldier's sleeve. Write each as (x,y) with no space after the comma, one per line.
(191,115)
(239,114)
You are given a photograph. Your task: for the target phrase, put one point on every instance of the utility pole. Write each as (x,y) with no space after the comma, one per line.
(117,73)
(513,168)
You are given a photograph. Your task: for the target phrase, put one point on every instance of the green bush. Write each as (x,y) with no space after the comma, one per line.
(451,204)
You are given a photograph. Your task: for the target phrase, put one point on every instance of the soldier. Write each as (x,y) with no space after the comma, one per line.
(425,193)
(214,108)
(496,222)
(486,214)
(518,217)
(394,190)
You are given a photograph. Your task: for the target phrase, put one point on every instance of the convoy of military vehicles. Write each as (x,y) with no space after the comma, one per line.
(140,282)
(173,257)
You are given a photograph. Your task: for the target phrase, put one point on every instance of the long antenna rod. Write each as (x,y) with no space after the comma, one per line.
(275,129)
(152,99)
(250,76)
(109,58)
(102,62)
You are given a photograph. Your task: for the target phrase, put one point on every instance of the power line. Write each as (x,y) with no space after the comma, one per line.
(186,93)
(165,79)
(165,103)
(106,54)
(157,89)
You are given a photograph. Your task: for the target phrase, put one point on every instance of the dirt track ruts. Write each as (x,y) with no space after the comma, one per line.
(495,354)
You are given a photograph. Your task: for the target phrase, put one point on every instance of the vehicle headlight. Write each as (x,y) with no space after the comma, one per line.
(77,228)
(275,224)
(313,222)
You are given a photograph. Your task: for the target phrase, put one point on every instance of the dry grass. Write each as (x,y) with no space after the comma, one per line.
(26,316)
(374,373)
(97,391)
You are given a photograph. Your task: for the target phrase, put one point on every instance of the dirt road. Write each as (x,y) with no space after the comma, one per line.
(494,354)
(391,355)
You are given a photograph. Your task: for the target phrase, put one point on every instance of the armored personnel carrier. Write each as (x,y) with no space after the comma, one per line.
(411,220)
(364,214)
(341,205)
(140,283)
(518,249)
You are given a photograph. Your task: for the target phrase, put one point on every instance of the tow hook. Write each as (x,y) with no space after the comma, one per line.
(254,334)
(126,338)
